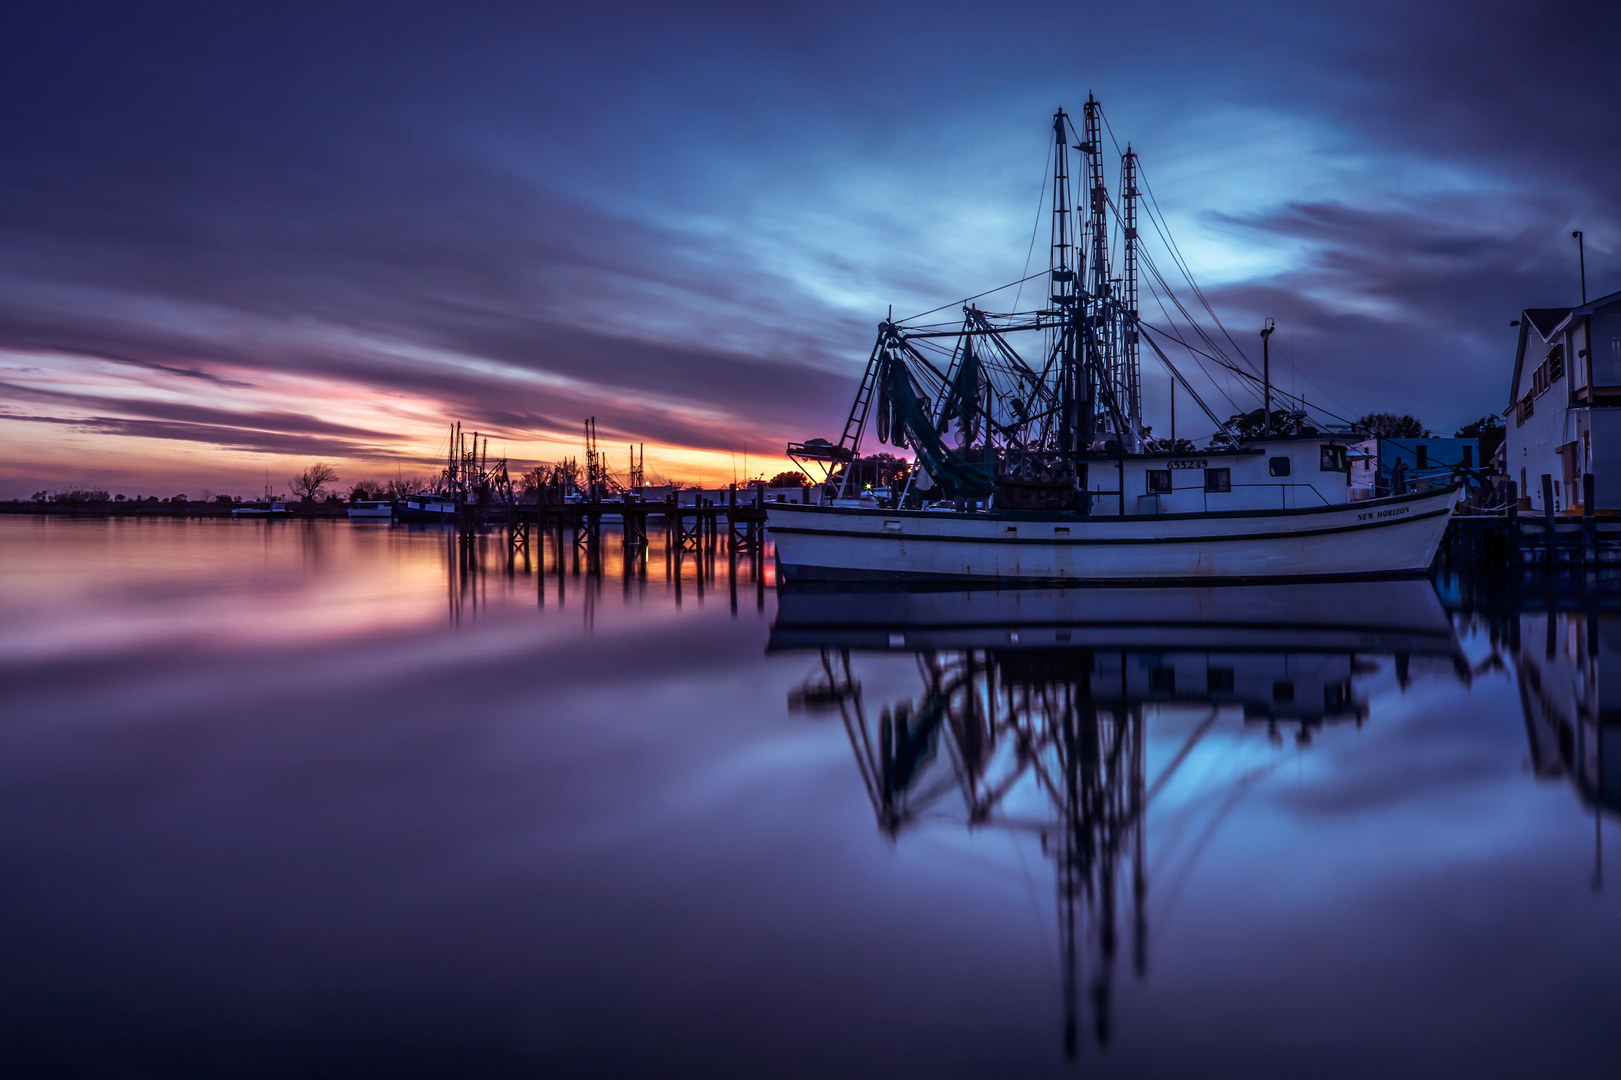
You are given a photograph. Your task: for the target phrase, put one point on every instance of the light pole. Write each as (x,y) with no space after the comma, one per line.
(1581,260)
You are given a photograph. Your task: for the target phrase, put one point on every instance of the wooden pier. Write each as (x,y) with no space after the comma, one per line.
(733,524)
(1516,539)
(708,547)
(703,526)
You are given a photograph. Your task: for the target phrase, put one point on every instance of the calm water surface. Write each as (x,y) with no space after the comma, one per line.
(322,799)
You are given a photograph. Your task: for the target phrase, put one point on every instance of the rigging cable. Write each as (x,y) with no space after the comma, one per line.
(965,299)
(1041,202)
(1176,253)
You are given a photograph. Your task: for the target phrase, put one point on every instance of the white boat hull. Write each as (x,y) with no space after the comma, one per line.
(1381,537)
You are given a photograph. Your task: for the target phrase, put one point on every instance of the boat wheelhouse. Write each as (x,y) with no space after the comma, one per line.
(1282,473)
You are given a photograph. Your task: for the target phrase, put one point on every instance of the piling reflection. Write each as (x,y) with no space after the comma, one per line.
(1032,712)
(563,565)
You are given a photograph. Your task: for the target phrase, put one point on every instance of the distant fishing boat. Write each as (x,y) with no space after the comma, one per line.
(1052,475)
(425,509)
(273,509)
(470,480)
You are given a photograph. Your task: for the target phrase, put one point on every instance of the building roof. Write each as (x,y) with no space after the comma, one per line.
(1545,320)
(1592,308)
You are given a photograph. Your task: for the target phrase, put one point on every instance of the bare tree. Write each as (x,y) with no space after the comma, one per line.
(367,489)
(308,484)
(402,487)
(1389,426)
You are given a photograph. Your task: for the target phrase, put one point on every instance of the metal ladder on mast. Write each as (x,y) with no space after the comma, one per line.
(856,422)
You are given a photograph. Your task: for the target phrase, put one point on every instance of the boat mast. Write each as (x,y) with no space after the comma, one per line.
(1098,229)
(593,463)
(451,457)
(1064,297)
(1128,297)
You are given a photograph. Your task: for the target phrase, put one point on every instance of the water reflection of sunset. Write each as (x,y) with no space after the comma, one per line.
(220,585)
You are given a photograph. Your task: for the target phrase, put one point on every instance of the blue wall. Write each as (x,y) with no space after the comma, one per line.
(1441,455)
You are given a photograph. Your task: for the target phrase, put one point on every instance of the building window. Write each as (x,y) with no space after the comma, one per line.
(1159,481)
(1218,480)
(1525,410)
(1334,460)
(1423,456)
(1278,466)
(1556,363)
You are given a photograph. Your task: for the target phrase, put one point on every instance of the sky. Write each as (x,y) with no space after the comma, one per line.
(239,238)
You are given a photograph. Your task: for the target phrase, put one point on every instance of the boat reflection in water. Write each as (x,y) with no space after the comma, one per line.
(1032,704)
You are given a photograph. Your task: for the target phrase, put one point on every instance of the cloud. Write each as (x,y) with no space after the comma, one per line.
(1413,298)
(686,224)
(227,438)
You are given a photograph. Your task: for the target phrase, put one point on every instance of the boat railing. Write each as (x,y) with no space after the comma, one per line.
(1283,494)
(1100,495)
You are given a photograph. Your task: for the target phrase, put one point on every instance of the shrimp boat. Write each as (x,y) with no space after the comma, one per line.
(1036,466)
(371,510)
(472,486)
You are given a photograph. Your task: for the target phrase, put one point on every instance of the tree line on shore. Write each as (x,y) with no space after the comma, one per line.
(319,482)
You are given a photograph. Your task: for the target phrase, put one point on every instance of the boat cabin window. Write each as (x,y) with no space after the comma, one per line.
(1219,680)
(1468,461)
(1159,481)
(1334,459)
(1278,466)
(1218,480)
(1423,457)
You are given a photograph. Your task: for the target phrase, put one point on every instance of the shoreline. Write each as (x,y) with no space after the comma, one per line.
(301,511)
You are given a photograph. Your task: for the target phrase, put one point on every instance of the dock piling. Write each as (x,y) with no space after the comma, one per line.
(1550,539)
(1589,524)
(1512,509)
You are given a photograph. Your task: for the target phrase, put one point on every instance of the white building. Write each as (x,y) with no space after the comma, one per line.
(1564,413)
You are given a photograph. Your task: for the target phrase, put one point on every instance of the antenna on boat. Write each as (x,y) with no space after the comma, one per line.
(1266,376)
(1173,412)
